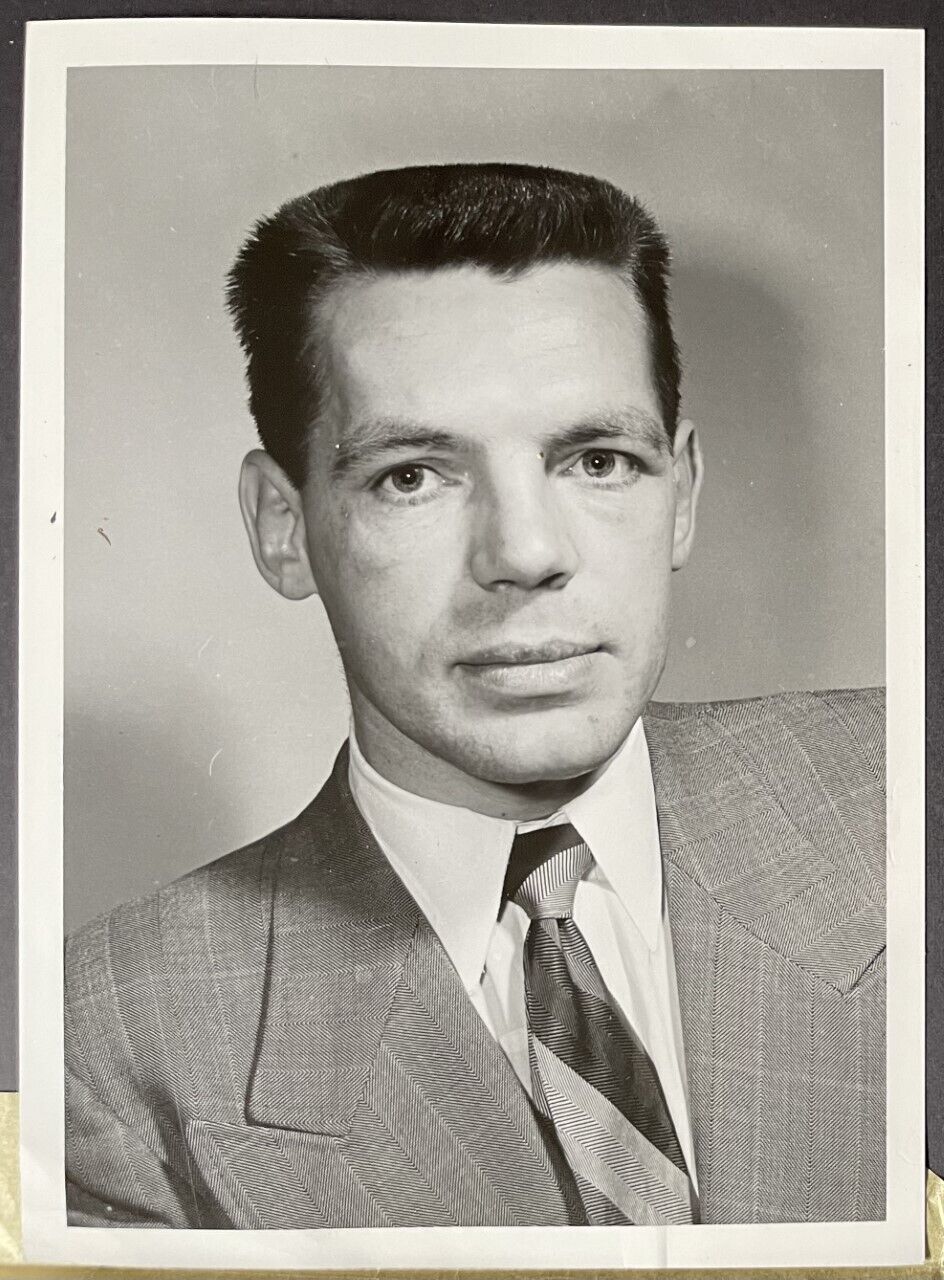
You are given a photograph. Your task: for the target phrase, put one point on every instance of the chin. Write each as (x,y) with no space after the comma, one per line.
(521,754)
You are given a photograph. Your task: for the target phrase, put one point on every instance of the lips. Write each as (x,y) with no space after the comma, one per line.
(511,654)
(518,674)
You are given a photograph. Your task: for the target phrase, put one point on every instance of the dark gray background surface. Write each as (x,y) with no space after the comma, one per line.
(886,13)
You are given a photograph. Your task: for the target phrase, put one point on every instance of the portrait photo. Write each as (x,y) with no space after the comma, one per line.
(472,502)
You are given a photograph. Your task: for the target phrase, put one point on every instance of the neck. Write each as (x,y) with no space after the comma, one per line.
(408,765)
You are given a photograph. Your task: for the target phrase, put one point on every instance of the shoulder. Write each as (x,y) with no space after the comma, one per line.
(789,772)
(831,720)
(217,917)
(236,878)
(852,702)
(132,963)
(143,956)
(774,809)
(800,745)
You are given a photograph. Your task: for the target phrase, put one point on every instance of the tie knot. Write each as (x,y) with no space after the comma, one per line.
(544,870)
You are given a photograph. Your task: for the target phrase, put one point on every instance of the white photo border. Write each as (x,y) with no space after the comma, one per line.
(52,48)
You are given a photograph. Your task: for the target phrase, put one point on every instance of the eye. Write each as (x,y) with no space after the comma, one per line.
(408,479)
(608,464)
(410,483)
(599,463)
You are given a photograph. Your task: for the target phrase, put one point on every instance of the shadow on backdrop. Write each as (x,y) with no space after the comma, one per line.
(749,353)
(151,788)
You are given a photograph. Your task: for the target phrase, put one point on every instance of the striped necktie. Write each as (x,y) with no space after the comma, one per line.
(591,1076)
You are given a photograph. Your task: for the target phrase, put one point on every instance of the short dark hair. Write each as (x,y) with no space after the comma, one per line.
(505,218)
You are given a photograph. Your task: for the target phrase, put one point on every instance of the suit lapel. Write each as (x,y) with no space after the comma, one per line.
(342,925)
(371,1054)
(694,922)
(779,990)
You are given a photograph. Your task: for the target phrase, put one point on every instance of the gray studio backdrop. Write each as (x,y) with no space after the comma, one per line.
(201,709)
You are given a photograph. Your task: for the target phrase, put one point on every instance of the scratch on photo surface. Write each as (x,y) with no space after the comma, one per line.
(213,760)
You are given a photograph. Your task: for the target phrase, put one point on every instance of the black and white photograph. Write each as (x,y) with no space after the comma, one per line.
(471,533)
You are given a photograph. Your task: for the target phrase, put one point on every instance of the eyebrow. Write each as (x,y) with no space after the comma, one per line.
(385,435)
(380,436)
(634,426)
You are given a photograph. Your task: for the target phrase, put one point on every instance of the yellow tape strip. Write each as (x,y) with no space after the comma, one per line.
(9,1178)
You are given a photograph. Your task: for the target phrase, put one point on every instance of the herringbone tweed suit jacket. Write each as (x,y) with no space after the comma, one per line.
(279,1039)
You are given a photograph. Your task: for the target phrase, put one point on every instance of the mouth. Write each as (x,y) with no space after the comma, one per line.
(553,668)
(513,655)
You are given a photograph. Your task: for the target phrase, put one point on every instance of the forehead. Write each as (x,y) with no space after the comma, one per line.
(461,343)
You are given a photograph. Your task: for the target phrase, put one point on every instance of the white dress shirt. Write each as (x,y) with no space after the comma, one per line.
(453,861)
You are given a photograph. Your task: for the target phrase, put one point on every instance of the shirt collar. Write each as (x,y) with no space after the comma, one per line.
(617,818)
(453,860)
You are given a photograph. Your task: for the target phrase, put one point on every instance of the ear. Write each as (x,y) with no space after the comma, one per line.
(274,520)
(688,470)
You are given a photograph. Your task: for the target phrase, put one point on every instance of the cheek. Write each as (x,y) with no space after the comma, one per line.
(628,558)
(630,541)
(384,580)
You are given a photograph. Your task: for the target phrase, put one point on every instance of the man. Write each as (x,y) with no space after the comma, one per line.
(541,951)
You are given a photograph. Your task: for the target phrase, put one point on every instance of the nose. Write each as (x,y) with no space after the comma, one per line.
(520,536)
